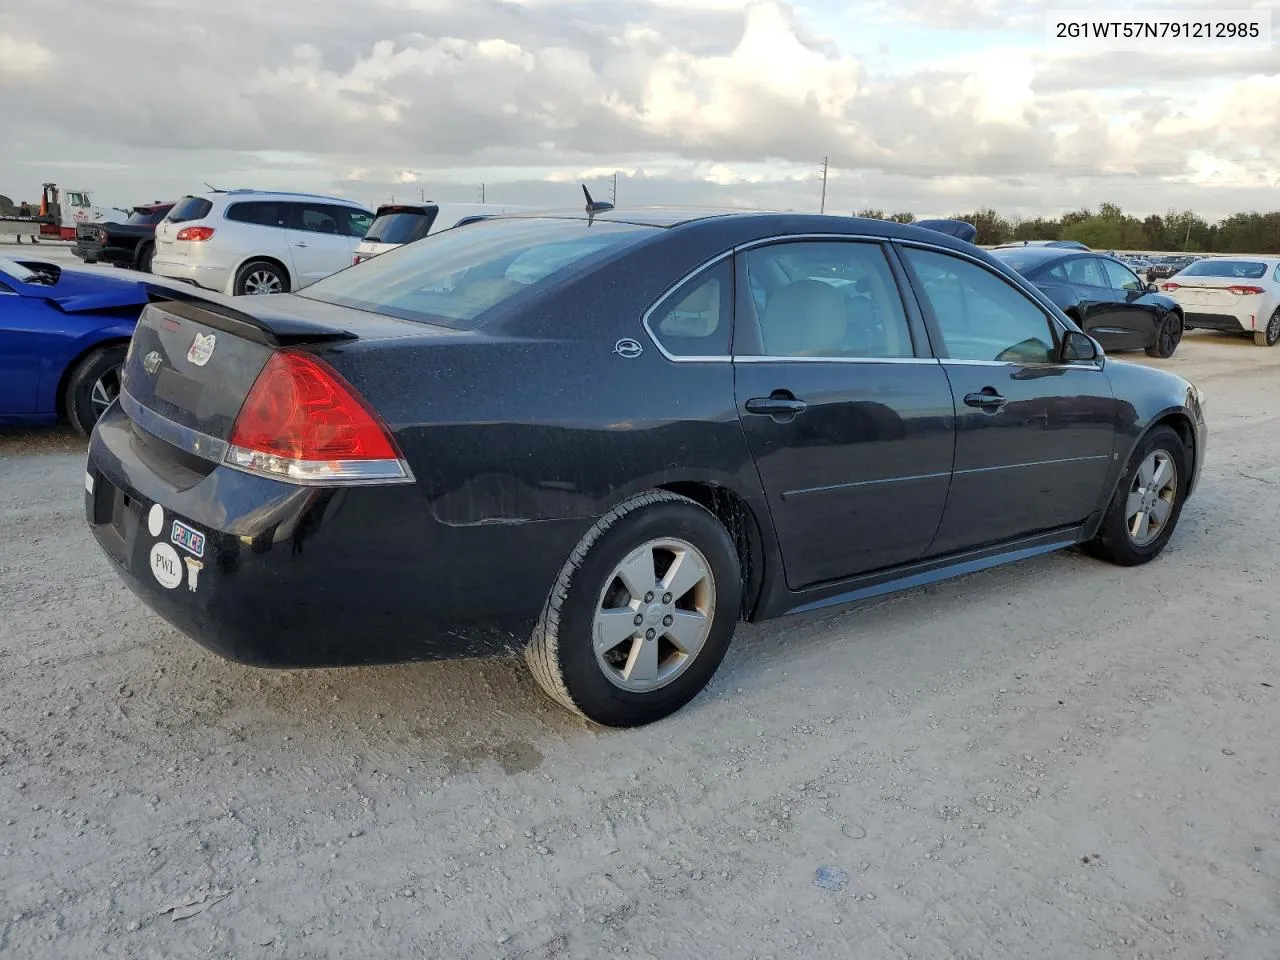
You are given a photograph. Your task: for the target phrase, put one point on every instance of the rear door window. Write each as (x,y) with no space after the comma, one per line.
(268,213)
(825,299)
(189,208)
(315,218)
(1087,271)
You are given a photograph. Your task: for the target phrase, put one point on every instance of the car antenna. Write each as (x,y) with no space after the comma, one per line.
(594,206)
(212,188)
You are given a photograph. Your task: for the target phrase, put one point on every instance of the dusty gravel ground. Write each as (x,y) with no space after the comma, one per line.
(1053,760)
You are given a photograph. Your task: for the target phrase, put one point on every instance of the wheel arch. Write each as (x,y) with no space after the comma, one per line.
(737,516)
(1176,418)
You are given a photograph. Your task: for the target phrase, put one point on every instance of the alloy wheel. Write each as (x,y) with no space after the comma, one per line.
(1273,328)
(105,389)
(262,281)
(1151,498)
(654,615)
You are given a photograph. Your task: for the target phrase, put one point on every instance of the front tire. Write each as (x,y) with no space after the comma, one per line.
(1167,337)
(92,386)
(641,614)
(260,277)
(1269,336)
(1147,503)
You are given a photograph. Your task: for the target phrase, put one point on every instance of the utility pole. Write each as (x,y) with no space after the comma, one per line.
(422,194)
(482,193)
(614,197)
(823,207)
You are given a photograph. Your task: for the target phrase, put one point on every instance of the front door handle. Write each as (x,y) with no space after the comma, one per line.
(987,399)
(299,244)
(780,405)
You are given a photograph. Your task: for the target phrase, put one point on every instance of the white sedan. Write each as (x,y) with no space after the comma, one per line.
(1231,294)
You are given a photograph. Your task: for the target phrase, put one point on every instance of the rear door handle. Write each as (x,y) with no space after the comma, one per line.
(780,405)
(988,399)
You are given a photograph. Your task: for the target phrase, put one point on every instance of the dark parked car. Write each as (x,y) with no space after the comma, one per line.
(607,439)
(130,244)
(1057,244)
(1104,297)
(1166,267)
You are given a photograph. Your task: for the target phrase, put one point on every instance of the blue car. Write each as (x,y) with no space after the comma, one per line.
(63,339)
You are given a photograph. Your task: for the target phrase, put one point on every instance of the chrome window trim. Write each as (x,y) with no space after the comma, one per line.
(770,359)
(1077,365)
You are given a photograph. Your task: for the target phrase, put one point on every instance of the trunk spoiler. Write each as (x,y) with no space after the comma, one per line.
(264,325)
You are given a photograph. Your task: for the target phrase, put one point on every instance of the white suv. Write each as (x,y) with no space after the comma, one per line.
(401,223)
(257,241)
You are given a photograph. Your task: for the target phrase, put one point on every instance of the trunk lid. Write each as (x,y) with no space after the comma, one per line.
(193,359)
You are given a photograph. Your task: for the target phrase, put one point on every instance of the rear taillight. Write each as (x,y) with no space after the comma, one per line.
(1245,290)
(195,233)
(1169,287)
(302,422)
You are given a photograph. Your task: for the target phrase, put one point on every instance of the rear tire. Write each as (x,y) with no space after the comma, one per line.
(657,666)
(146,253)
(1145,490)
(1167,337)
(260,277)
(1269,336)
(92,387)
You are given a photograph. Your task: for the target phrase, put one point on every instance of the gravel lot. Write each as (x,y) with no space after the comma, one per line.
(1056,759)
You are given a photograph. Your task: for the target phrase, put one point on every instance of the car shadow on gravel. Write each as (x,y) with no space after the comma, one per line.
(29,441)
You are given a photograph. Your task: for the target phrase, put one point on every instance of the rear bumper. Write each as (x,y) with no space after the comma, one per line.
(1225,322)
(210,276)
(289,576)
(91,251)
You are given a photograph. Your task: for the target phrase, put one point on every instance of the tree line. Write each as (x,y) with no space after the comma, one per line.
(1110,228)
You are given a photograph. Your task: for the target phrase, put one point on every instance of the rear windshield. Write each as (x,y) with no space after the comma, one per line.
(146,217)
(403,226)
(1236,269)
(189,208)
(451,277)
(1020,260)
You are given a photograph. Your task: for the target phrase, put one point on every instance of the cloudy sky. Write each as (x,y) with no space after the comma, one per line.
(932,106)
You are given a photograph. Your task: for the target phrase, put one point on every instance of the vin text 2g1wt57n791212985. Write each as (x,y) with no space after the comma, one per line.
(609,437)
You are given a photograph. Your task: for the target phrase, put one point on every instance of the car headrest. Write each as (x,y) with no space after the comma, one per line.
(804,318)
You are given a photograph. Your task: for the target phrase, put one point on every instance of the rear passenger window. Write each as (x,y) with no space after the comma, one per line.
(825,299)
(316,218)
(262,213)
(693,320)
(980,315)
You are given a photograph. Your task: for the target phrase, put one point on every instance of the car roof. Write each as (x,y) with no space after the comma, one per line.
(760,222)
(247,194)
(1043,254)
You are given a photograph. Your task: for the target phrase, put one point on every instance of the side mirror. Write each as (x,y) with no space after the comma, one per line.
(1077,346)
(1153,287)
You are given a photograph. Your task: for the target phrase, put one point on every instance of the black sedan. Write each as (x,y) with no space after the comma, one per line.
(1104,297)
(605,439)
